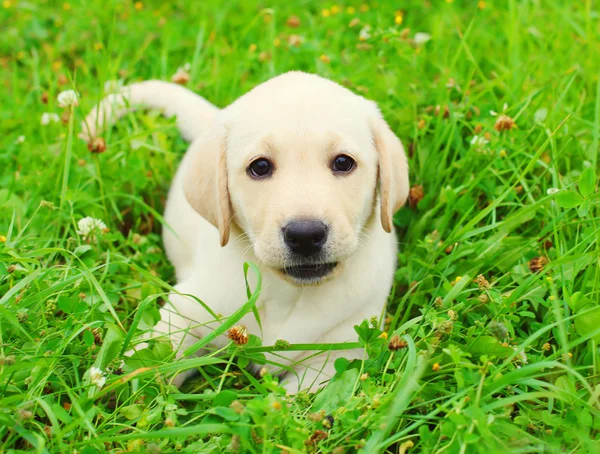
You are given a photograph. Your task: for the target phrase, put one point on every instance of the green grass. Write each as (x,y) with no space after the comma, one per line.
(512,366)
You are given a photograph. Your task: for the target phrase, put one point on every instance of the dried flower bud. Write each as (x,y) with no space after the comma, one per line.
(396,343)
(316,437)
(415,195)
(504,123)
(293,22)
(482,282)
(537,264)
(97,145)
(238,334)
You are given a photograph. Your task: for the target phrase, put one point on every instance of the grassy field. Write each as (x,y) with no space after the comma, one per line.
(496,295)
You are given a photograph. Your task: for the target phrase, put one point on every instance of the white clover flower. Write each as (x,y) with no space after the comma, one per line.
(20,139)
(113,86)
(97,377)
(521,356)
(88,226)
(365,33)
(551,191)
(421,38)
(68,98)
(479,141)
(48,118)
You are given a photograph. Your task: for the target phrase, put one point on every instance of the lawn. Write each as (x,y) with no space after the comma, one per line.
(492,330)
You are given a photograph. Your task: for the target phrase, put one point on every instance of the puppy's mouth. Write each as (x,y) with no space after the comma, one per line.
(309,274)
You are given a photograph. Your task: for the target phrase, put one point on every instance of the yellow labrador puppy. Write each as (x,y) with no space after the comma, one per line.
(300,176)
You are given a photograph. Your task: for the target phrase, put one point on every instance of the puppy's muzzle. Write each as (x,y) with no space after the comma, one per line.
(305,237)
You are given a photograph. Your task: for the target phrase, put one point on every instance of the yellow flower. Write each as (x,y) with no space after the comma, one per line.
(324,58)
(252,48)
(435,367)
(276,42)
(325,13)
(6,4)
(56,65)
(398,20)
(364,7)
(2,239)
(335,9)
(351,10)
(98,46)
(66,6)
(20,55)
(481,4)
(139,6)
(503,153)
(383,335)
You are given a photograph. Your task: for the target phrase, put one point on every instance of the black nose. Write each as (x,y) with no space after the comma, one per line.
(305,237)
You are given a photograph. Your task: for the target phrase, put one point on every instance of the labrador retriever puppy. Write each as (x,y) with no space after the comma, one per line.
(300,176)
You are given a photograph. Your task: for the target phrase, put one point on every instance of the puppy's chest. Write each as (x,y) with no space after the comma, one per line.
(293,315)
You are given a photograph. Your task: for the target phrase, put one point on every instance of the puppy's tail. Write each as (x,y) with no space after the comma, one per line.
(193,112)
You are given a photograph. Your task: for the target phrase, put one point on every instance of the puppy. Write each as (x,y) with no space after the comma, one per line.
(301,177)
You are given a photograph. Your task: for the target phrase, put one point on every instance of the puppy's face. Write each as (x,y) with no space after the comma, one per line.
(301,171)
(303,196)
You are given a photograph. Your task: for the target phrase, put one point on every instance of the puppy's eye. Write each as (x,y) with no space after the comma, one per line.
(342,164)
(260,168)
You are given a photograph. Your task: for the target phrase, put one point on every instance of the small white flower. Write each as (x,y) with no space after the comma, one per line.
(20,139)
(186,67)
(365,33)
(88,226)
(551,191)
(521,356)
(479,141)
(97,377)
(113,86)
(68,98)
(48,118)
(421,38)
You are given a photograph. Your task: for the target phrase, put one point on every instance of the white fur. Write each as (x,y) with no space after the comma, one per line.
(303,116)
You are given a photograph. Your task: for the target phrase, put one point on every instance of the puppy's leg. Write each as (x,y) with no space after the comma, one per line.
(183,322)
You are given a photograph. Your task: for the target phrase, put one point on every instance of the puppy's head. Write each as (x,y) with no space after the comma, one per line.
(299,163)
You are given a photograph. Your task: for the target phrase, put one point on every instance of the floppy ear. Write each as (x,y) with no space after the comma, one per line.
(205,182)
(393,171)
